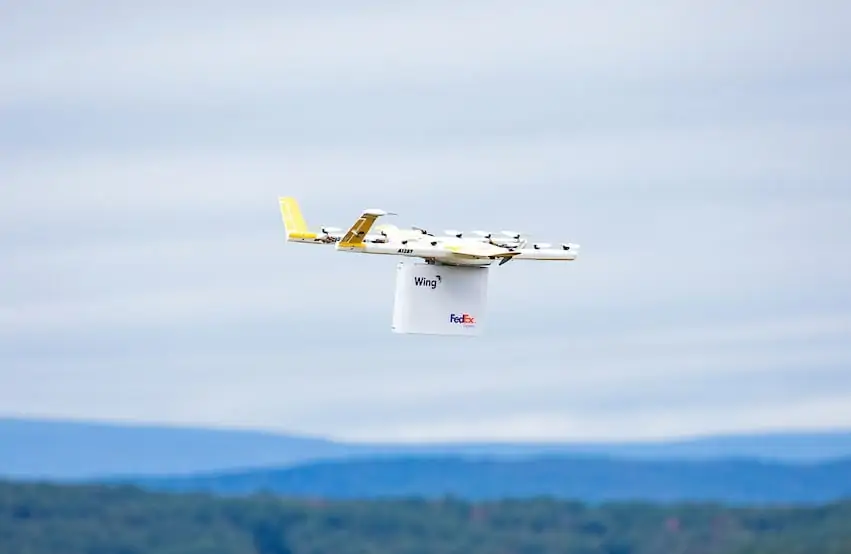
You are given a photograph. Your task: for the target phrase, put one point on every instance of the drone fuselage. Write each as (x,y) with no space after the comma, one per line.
(432,254)
(457,252)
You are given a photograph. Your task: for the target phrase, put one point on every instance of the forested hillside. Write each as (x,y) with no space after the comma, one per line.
(53,519)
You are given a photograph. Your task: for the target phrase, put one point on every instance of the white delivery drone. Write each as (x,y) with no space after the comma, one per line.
(450,249)
(439,295)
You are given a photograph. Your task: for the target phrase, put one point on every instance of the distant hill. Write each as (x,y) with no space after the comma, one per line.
(579,478)
(70,449)
(75,450)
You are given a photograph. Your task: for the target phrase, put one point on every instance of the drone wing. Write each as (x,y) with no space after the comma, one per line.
(394,233)
(480,250)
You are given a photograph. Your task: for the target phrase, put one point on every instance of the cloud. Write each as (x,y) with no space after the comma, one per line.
(230,186)
(698,155)
(804,414)
(171,58)
(592,378)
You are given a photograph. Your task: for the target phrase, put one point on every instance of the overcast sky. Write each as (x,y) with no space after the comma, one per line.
(699,152)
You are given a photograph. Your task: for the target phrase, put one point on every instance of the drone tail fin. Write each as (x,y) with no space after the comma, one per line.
(294,223)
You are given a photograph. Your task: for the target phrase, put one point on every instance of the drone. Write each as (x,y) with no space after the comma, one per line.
(451,248)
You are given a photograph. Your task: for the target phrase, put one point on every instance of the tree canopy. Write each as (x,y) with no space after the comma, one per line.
(97,519)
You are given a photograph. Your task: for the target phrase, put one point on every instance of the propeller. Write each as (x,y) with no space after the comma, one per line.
(515,236)
(488,236)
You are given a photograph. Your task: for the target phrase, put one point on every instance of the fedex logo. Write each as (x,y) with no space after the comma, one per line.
(463,319)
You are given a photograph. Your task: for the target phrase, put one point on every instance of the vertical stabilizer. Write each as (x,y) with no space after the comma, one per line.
(294,223)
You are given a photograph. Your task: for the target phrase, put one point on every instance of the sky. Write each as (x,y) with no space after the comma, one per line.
(699,153)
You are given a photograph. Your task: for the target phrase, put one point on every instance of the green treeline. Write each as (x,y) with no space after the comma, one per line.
(54,519)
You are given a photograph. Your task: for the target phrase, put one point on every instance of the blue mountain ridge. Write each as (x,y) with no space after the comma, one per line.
(575,477)
(72,450)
